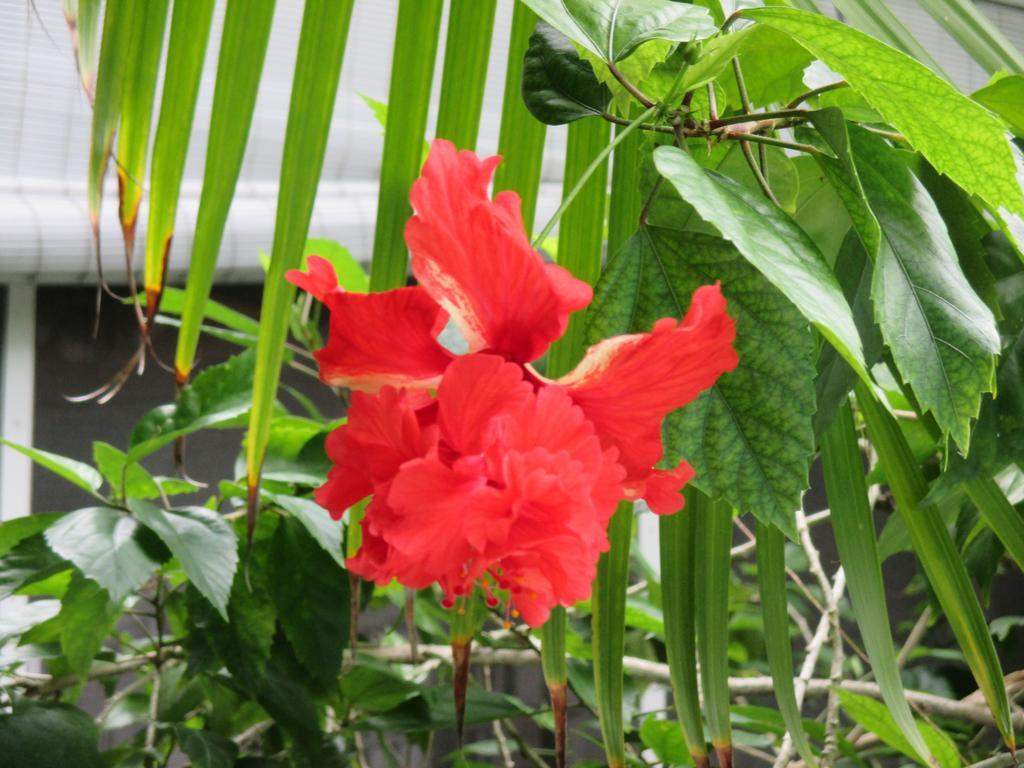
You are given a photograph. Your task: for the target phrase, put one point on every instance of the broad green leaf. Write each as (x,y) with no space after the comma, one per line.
(18,529)
(879,21)
(219,395)
(942,336)
(835,378)
(75,472)
(677,541)
(126,479)
(773,68)
(144,54)
(312,598)
(103,544)
(670,210)
(317,520)
(819,211)
(854,529)
(612,29)
(1005,97)
(772,242)
(873,716)
(635,68)
(373,688)
(122,20)
(559,86)
(716,54)
(243,47)
(967,229)
(713,569)
(322,41)
(999,514)
(49,736)
(608,626)
(28,562)
(842,173)
(87,615)
(958,136)
(202,542)
(771,576)
(938,556)
(417,31)
(521,137)
(665,739)
(242,639)
(466,53)
(186,51)
(749,437)
(351,275)
(206,749)
(24,622)
(980,37)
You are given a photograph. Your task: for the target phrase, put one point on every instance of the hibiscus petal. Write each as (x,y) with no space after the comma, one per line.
(663,489)
(444,517)
(473,256)
(626,385)
(383,431)
(376,339)
(475,390)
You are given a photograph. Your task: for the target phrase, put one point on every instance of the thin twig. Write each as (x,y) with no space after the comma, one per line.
(757,138)
(816,92)
(499,733)
(625,82)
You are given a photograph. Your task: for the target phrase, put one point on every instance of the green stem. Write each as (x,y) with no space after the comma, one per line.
(677,539)
(596,163)
(771,141)
(609,632)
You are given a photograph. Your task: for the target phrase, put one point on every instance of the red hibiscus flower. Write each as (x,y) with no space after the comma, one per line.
(504,479)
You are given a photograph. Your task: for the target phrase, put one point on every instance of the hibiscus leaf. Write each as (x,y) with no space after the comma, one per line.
(559,86)
(842,173)
(942,336)
(749,437)
(202,542)
(958,136)
(86,617)
(873,716)
(835,378)
(772,242)
(220,394)
(49,736)
(103,544)
(75,472)
(612,29)
(206,749)
(327,532)
(1005,97)
(311,595)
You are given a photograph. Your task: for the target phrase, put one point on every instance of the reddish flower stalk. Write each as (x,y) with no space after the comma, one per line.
(484,473)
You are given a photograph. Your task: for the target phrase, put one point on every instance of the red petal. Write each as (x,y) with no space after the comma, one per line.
(383,432)
(476,389)
(376,339)
(473,256)
(443,518)
(626,385)
(663,489)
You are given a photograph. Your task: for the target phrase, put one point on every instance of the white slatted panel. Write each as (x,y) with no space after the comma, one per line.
(44,136)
